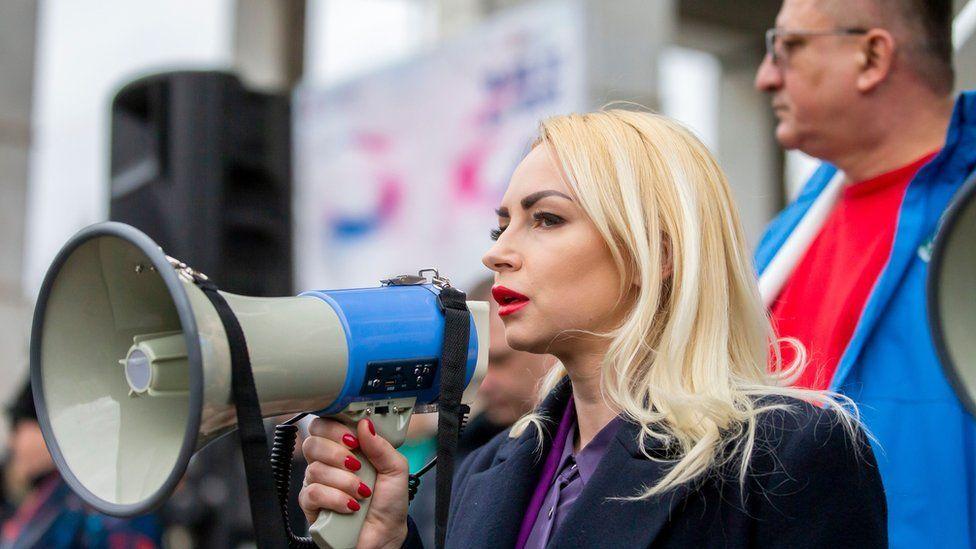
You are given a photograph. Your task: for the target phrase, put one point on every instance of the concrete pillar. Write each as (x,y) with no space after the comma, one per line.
(269,43)
(17,32)
(747,149)
(964,32)
(624,38)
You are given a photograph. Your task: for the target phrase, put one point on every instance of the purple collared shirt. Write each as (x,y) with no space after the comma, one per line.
(563,479)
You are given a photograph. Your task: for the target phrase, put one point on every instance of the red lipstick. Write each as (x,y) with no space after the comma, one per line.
(509,301)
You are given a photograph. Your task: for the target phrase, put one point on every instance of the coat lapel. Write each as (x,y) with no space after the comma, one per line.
(493,501)
(596,520)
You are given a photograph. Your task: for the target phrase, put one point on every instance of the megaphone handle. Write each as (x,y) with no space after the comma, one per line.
(333,530)
(341,530)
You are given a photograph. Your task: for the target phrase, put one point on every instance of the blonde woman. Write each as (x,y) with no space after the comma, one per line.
(619,252)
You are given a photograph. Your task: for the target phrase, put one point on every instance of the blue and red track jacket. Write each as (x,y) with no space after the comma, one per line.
(926,441)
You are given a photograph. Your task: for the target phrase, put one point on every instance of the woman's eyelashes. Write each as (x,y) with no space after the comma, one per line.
(495,233)
(543,220)
(546,219)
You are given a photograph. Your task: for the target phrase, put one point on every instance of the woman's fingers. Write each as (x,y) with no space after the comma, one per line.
(331,452)
(384,457)
(332,443)
(332,483)
(317,497)
(347,481)
(328,428)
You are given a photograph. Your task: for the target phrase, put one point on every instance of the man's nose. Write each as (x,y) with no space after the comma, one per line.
(768,76)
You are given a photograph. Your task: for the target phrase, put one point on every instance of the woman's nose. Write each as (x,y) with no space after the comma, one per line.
(501,258)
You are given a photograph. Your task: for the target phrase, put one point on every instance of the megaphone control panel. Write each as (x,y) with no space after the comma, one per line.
(398,375)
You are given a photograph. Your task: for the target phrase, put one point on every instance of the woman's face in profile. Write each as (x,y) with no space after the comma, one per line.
(553,271)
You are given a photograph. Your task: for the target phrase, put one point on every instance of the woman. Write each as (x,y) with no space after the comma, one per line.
(619,252)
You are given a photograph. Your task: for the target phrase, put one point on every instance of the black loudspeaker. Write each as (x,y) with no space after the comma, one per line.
(203,166)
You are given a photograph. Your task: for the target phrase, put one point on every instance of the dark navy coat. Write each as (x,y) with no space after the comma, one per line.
(809,485)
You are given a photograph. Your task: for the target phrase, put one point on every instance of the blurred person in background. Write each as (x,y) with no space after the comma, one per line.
(49,514)
(866,86)
(507,393)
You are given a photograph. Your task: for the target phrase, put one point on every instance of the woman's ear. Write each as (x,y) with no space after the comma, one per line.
(667,260)
(667,263)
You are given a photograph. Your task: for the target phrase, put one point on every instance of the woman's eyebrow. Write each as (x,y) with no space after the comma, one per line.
(531,199)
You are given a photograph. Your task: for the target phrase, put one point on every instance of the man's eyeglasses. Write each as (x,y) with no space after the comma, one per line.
(774,38)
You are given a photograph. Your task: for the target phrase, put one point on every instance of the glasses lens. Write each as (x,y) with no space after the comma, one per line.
(771,44)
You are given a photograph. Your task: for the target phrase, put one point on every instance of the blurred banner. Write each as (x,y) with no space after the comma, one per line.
(402,169)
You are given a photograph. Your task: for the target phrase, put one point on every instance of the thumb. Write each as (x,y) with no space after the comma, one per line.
(384,457)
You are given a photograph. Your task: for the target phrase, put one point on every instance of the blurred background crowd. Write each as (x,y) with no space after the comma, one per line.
(284,145)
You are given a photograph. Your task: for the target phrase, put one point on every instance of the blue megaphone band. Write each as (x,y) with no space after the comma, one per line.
(394,336)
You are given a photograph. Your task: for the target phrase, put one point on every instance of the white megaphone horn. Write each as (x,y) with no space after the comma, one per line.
(951,293)
(131,366)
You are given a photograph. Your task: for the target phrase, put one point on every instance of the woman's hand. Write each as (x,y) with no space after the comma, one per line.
(332,485)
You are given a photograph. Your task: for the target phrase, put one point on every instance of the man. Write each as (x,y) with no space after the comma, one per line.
(866,87)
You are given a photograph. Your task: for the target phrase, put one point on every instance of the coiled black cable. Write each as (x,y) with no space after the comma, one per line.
(282,450)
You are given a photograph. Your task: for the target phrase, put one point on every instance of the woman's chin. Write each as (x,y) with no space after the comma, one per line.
(520,340)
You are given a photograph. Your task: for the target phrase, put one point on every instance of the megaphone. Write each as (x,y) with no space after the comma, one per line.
(951,294)
(131,366)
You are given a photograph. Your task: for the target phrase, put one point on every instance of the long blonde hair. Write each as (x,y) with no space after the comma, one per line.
(690,361)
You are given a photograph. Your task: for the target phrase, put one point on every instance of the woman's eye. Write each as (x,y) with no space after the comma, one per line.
(496,233)
(546,219)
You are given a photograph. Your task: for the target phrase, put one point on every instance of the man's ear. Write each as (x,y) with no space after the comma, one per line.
(876,58)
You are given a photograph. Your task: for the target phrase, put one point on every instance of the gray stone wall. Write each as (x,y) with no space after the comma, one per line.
(17,33)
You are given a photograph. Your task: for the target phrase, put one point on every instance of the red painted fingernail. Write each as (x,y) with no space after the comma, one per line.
(352,463)
(364,490)
(350,441)
(353,505)
(372,428)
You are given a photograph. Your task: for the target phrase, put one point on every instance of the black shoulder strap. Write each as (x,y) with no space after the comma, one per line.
(269,527)
(454,355)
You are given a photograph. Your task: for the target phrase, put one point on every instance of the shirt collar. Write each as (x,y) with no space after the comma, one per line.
(589,457)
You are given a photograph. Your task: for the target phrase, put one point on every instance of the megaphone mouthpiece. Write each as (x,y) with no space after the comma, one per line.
(157,365)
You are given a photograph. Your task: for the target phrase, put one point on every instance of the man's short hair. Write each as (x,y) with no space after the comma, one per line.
(924,27)
(933,19)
